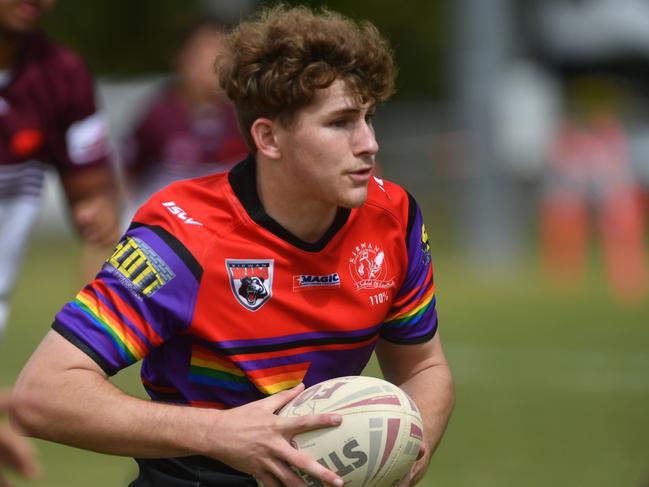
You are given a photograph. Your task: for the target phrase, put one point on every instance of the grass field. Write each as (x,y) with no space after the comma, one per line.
(552,390)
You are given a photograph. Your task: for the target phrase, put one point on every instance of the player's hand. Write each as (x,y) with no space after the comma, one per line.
(418,470)
(18,454)
(253,439)
(97,220)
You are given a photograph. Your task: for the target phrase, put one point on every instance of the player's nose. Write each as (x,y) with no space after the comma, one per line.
(365,140)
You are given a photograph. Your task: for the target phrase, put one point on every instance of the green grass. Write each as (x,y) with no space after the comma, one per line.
(552,390)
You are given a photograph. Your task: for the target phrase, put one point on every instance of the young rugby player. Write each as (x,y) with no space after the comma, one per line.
(239,289)
(47,119)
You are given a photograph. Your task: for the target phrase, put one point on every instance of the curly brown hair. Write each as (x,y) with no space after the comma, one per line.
(274,63)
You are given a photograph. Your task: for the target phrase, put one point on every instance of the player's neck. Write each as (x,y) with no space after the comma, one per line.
(308,220)
(196,97)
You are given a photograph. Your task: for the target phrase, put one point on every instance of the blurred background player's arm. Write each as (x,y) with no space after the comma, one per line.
(85,166)
(93,198)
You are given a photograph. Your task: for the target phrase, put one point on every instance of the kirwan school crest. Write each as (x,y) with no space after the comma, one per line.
(368,268)
(251,281)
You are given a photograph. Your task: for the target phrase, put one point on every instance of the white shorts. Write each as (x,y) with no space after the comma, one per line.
(20,196)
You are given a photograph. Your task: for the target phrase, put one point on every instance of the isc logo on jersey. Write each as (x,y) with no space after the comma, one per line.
(306,281)
(180,213)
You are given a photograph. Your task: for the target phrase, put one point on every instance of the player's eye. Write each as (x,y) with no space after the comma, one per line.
(339,123)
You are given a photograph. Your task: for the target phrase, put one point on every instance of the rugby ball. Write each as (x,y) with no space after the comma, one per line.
(378,440)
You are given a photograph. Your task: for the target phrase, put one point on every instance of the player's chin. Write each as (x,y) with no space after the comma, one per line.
(25,17)
(353,198)
(23,26)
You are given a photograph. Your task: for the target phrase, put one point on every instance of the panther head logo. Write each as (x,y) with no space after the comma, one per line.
(252,289)
(251,281)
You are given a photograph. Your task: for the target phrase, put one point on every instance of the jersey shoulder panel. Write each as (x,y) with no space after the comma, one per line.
(390,197)
(413,316)
(195,211)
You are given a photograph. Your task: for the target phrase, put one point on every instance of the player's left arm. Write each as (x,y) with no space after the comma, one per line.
(422,372)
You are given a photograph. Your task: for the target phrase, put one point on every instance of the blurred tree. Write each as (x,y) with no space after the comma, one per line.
(418,32)
(125,37)
(122,37)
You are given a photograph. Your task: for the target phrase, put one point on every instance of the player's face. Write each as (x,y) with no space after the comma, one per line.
(329,149)
(19,16)
(196,61)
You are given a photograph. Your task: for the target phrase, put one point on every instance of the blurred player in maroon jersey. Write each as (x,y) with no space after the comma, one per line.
(48,118)
(190,128)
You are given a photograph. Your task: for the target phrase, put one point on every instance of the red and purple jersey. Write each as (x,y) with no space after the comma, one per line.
(47,115)
(226,307)
(174,141)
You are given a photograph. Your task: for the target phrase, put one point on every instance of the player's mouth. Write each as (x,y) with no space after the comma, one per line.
(361,175)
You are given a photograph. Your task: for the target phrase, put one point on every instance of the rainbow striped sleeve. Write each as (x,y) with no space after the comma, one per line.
(413,316)
(112,323)
(137,301)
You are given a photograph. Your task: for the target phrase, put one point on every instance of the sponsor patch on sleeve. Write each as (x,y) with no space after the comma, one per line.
(139,267)
(425,245)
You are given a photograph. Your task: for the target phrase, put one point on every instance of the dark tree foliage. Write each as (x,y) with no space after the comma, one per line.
(122,37)
(131,37)
(418,31)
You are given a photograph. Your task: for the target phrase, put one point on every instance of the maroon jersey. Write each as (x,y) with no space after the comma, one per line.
(47,115)
(174,141)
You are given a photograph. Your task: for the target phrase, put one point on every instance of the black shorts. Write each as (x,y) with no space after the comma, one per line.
(193,471)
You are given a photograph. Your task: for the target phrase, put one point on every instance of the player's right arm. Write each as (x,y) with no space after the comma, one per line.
(62,395)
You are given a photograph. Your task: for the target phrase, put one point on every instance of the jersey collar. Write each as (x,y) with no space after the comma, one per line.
(243,179)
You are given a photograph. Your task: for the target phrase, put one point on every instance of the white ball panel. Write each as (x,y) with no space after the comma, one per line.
(378,440)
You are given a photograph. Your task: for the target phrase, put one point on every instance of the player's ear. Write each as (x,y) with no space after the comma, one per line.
(264,133)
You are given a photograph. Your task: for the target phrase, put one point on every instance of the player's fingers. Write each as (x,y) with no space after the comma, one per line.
(407,481)
(300,424)
(276,401)
(416,475)
(265,480)
(285,475)
(421,465)
(312,468)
